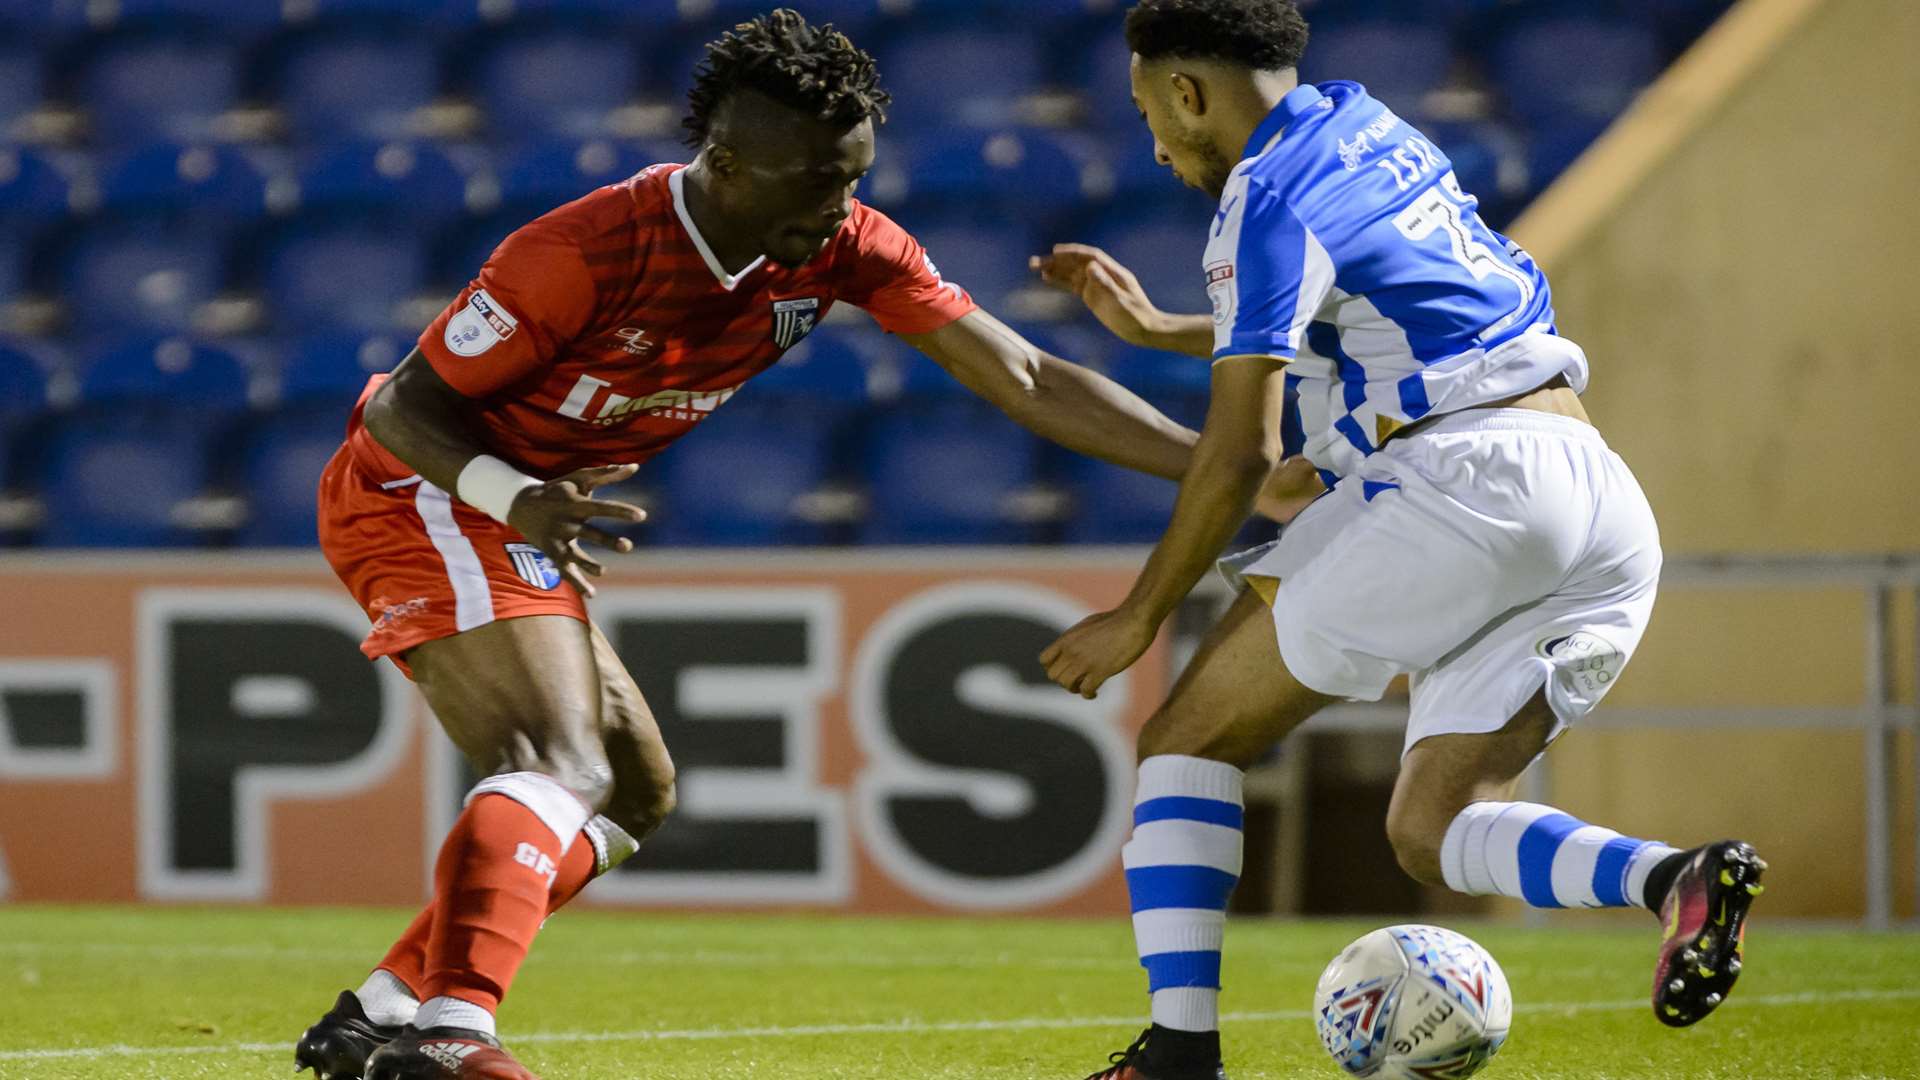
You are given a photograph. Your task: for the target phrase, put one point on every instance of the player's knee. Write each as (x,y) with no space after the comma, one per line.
(1416,844)
(584,771)
(644,810)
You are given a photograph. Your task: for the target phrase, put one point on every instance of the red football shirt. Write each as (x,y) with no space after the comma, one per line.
(602,331)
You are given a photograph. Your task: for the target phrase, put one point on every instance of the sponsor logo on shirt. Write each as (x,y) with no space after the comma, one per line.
(586,402)
(794,319)
(479,325)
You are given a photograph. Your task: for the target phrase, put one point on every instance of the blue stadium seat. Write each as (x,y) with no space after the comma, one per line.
(21,84)
(220,180)
(926,68)
(1112,505)
(824,371)
(33,190)
(560,81)
(414,181)
(1107,88)
(985,256)
(171,375)
(1013,168)
(944,473)
(1551,147)
(1176,385)
(735,479)
(427,14)
(23,397)
(646,13)
(114,479)
(330,369)
(280,465)
(547,175)
(129,276)
(239,17)
(365,81)
(160,86)
(1488,159)
(1553,69)
(343,274)
(1398,61)
(1164,251)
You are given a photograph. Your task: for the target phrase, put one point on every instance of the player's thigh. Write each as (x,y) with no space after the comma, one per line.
(643,775)
(1236,698)
(520,694)
(1441,774)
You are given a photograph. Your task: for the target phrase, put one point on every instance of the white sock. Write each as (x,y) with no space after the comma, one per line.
(612,845)
(1181,865)
(1549,859)
(452,1012)
(386,999)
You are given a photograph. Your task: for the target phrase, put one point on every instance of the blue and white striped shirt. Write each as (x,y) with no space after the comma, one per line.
(1345,245)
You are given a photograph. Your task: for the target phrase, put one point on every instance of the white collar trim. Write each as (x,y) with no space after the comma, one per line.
(676,182)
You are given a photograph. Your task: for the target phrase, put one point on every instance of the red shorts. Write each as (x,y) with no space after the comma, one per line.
(425,565)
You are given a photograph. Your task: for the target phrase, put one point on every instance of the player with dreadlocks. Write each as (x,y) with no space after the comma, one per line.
(593,337)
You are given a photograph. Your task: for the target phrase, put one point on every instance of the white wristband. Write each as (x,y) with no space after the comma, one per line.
(490,485)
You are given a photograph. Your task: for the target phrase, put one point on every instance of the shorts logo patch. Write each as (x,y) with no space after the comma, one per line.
(794,319)
(534,566)
(479,325)
(1591,661)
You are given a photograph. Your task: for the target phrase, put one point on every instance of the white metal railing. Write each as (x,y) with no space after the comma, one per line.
(1879,717)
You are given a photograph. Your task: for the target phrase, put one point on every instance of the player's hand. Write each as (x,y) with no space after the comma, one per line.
(1098,648)
(1108,289)
(1294,483)
(553,517)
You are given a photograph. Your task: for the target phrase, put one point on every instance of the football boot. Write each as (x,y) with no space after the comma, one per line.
(1705,915)
(444,1053)
(337,1046)
(1137,1062)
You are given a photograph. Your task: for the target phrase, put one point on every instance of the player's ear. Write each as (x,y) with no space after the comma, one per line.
(1188,94)
(721,160)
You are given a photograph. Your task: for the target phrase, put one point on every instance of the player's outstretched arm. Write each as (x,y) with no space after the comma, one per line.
(1237,453)
(427,424)
(1115,297)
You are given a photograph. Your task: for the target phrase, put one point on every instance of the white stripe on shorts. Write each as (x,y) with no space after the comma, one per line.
(472,597)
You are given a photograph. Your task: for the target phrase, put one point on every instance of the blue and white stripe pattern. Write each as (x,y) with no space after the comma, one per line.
(1547,858)
(1345,244)
(1182,864)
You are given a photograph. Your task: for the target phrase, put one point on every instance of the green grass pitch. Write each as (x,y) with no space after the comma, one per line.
(184,992)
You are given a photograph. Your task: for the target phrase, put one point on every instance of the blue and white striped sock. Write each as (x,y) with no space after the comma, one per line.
(1182,864)
(1549,859)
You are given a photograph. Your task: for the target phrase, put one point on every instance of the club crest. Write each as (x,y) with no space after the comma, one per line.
(534,566)
(794,319)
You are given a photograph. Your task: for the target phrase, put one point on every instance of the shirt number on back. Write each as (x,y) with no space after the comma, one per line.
(1441,207)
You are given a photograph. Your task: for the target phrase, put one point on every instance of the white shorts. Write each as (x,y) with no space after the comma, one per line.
(1488,555)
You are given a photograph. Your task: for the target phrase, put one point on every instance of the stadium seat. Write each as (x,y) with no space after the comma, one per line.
(428,14)
(1398,61)
(736,478)
(21,84)
(925,68)
(172,375)
(165,177)
(1112,505)
(133,275)
(985,256)
(1107,87)
(33,190)
(280,465)
(1176,385)
(345,274)
(947,473)
(327,370)
(547,175)
(1530,64)
(366,81)
(823,371)
(1551,147)
(1164,251)
(1012,168)
(23,397)
(114,479)
(415,181)
(558,81)
(157,85)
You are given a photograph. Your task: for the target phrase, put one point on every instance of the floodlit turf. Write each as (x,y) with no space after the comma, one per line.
(197,993)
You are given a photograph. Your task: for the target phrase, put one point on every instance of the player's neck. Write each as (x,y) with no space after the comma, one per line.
(1244,102)
(732,251)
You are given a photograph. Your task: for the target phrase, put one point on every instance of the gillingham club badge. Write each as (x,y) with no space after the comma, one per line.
(794,319)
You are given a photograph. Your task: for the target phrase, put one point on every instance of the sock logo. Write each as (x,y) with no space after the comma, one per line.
(532,857)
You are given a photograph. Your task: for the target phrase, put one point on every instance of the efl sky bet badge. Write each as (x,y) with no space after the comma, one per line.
(794,319)
(534,566)
(479,325)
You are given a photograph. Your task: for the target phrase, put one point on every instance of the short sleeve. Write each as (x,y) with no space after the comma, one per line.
(532,297)
(893,278)
(1267,274)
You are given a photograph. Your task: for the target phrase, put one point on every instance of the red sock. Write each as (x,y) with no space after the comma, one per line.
(492,884)
(407,960)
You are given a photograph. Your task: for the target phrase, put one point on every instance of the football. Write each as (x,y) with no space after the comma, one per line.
(1413,1003)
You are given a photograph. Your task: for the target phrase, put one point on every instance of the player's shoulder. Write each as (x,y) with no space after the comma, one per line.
(1339,128)
(636,205)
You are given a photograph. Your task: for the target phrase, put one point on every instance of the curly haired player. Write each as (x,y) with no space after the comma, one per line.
(1477,534)
(594,337)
